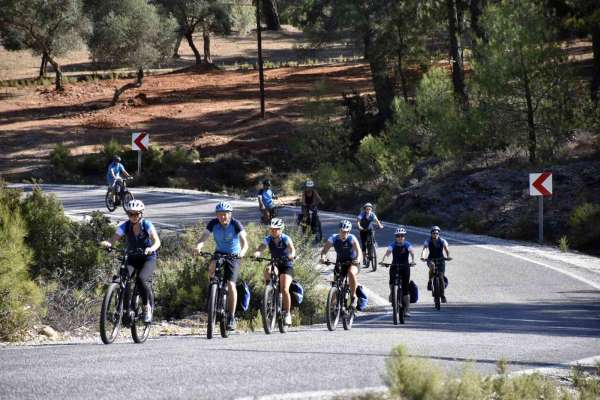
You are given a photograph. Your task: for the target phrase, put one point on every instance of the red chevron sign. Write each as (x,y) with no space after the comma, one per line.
(540,184)
(140,141)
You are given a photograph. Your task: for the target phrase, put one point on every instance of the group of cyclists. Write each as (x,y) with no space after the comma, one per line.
(231,240)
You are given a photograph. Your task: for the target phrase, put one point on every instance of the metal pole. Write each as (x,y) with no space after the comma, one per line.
(139,162)
(541,220)
(261,77)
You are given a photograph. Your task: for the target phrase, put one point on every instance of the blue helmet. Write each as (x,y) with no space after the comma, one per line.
(224,206)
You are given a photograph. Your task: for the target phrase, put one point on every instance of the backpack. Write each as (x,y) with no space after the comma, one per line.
(297,292)
(243,295)
(413,290)
(363,301)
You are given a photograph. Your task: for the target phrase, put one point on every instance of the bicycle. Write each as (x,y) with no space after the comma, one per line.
(122,305)
(217,296)
(397,293)
(267,214)
(272,306)
(310,219)
(121,196)
(339,298)
(437,280)
(371,251)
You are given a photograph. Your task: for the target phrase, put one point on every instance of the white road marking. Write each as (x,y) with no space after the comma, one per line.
(320,394)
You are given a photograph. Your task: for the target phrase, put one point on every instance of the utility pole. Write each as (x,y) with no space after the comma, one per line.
(261,77)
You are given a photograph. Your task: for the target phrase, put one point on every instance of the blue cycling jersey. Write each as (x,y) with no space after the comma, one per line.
(267,197)
(343,248)
(116,169)
(278,249)
(436,247)
(142,240)
(365,221)
(227,238)
(400,252)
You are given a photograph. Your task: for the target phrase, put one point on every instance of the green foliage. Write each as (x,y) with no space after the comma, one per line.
(244,17)
(584,225)
(423,219)
(563,244)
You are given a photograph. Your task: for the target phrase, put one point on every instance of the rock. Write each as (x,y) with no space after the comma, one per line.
(49,332)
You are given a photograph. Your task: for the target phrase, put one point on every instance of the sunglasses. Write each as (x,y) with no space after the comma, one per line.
(401,235)
(435,233)
(134,214)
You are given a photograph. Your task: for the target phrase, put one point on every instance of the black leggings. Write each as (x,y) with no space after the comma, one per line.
(404,272)
(364,234)
(144,278)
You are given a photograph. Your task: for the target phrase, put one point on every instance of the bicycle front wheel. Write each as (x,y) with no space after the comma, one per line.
(110,315)
(268,309)
(127,197)
(395,304)
(110,204)
(373,256)
(436,292)
(221,307)
(140,330)
(279,308)
(348,311)
(333,308)
(400,305)
(212,311)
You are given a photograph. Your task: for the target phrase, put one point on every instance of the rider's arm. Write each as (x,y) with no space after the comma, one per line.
(291,249)
(318,199)
(119,233)
(304,198)
(425,247)
(411,251)
(260,249)
(387,253)
(360,228)
(155,242)
(446,249)
(356,245)
(122,168)
(244,243)
(203,239)
(326,248)
(378,222)
(261,205)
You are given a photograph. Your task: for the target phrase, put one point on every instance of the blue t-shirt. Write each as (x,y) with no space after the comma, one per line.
(267,197)
(140,241)
(227,238)
(279,249)
(343,248)
(436,247)
(365,221)
(115,168)
(400,252)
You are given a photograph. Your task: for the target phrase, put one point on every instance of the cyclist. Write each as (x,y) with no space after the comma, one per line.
(139,233)
(115,168)
(348,253)
(310,199)
(400,250)
(436,246)
(230,239)
(265,200)
(364,220)
(282,248)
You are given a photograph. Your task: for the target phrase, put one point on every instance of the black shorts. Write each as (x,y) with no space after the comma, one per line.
(402,273)
(231,267)
(286,268)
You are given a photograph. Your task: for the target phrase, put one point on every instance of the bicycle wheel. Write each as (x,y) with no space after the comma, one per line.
(280,318)
(400,306)
(436,292)
(348,310)
(395,304)
(318,229)
(373,256)
(127,197)
(110,204)
(212,311)
(222,305)
(110,315)
(333,308)
(140,330)
(268,310)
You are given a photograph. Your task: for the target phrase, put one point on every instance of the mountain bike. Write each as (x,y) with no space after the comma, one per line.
(437,280)
(371,250)
(122,195)
(339,298)
(309,219)
(121,305)
(267,214)
(397,293)
(272,306)
(217,295)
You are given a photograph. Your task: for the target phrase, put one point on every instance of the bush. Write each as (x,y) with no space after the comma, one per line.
(422,219)
(584,225)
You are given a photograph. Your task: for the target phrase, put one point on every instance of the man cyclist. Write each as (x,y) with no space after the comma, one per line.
(310,200)
(400,250)
(115,169)
(348,254)
(139,233)
(230,239)
(436,246)
(265,201)
(282,248)
(365,220)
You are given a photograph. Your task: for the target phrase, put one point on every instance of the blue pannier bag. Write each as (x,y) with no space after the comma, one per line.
(297,292)
(243,295)
(413,290)
(445,282)
(363,301)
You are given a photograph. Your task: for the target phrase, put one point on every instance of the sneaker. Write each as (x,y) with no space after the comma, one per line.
(443,299)
(230,322)
(407,314)
(354,301)
(429,285)
(147,314)
(287,319)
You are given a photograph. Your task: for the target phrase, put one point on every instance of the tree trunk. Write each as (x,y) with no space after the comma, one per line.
(458,72)
(190,40)
(44,65)
(476,9)
(177,44)
(58,81)
(596,68)
(532,142)
(207,57)
(383,83)
(271,15)
(132,85)
(401,72)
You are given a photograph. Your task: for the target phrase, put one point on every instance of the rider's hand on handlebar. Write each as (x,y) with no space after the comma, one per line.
(106,243)
(355,262)
(256,254)
(199,247)
(291,258)
(148,251)
(423,259)
(448,258)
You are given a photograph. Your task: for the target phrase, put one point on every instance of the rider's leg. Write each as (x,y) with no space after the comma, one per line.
(145,282)
(363,239)
(232,269)
(429,283)
(405,274)
(284,284)
(211,269)
(442,272)
(231,298)
(352,271)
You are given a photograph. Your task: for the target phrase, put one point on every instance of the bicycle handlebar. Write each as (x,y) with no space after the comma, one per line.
(225,256)
(388,265)
(436,259)
(275,259)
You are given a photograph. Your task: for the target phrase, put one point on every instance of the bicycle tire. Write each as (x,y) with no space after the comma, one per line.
(112,294)
(333,308)
(267,309)
(108,201)
(319,230)
(373,256)
(348,315)
(127,197)
(140,333)
(222,310)
(212,311)
(395,304)
(400,306)
(280,319)
(436,292)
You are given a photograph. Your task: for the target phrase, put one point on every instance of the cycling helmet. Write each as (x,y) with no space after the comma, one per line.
(135,206)
(346,225)
(367,205)
(309,183)
(266,182)
(116,158)
(400,231)
(277,223)
(224,206)
(435,228)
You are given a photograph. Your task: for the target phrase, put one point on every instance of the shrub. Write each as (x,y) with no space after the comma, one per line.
(417,218)
(584,225)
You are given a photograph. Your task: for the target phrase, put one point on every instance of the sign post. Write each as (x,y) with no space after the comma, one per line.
(140,142)
(540,184)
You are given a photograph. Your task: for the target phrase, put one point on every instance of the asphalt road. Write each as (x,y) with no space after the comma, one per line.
(504,303)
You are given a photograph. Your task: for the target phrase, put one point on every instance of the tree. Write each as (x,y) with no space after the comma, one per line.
(132,33)
(524,84)
(271,14)
(455,30)
(49,28)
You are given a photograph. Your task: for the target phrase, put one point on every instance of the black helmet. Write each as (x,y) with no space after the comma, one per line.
(266,182)
(117,158)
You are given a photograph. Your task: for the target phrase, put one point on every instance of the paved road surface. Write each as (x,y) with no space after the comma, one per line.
(529,309)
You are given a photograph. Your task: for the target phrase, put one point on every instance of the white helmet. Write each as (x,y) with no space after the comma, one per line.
(309,183)
(346,226)
(400,231)
(224,206)
(135,206)
(277,223)
(435,228)
(367,205)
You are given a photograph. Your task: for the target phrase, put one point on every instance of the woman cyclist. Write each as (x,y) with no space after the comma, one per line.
(400,250)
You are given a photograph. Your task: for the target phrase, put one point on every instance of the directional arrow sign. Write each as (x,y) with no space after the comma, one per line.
(140,141)
(540,184)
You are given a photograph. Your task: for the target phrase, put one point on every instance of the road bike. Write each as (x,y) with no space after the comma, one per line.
(397,293)
(437,281)
(309,219)
(272,305)
(371,251)
(121,305)
(339,298)
(217,295)
(121,195)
